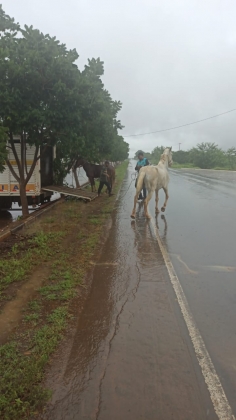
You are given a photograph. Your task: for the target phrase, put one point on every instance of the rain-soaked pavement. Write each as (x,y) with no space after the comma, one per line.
(131,356)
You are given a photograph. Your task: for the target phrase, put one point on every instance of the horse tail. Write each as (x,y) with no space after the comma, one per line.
(140,180)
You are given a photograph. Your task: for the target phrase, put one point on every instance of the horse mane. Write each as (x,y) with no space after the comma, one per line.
(163,157)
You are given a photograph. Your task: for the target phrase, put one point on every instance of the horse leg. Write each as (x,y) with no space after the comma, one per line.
(91,183)
(91,179)
(146,201)
(94,185)
(110,186)
(135,202)
(157,198)
(138,186)
(167,196)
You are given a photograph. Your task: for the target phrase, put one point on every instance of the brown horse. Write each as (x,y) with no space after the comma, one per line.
(93,171)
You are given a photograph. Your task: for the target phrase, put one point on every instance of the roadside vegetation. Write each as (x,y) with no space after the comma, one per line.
(63,245)
(204,156)
(48,102)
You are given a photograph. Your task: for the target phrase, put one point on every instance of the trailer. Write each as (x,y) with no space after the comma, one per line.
(41,177)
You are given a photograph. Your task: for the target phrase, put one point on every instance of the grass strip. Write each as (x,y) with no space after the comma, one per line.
(26,256)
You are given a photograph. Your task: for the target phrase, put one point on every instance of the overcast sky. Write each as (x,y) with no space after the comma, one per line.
(170,62)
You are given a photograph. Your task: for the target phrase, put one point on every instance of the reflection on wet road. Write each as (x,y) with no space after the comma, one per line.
(131,356)
(5,218)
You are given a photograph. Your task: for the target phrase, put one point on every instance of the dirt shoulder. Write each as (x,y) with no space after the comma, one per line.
(44,281)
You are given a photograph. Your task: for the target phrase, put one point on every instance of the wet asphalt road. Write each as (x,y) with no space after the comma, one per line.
(131,357)
(201,239)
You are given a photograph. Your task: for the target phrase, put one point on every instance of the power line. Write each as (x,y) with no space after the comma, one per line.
(179,126)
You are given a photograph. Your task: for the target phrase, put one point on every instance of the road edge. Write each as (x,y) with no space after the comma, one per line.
(218,397)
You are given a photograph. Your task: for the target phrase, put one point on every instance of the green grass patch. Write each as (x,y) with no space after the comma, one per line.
(24,257)
(62,285)
(22,369)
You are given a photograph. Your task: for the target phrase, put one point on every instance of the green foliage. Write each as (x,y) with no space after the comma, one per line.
(7,24)
(181,156)
(156,154)
(120,150)
(208,156)
(231,157)
(204,155)
(38,87)
(98,138)
(47,101)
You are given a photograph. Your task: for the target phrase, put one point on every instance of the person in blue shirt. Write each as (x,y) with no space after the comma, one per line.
(142,161)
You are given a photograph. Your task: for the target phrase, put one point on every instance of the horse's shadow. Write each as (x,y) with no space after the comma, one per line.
(165,225)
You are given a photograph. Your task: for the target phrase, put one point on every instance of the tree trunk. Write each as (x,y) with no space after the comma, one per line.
(74,170)
(23,198)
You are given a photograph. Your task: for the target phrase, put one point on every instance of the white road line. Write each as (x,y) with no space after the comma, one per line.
(217,394)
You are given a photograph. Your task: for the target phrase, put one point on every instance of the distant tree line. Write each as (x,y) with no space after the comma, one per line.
(48,101)
(204,156)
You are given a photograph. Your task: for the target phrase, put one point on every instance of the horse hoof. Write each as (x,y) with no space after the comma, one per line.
(157,211)
(163,209)
(132,216)
(148,216)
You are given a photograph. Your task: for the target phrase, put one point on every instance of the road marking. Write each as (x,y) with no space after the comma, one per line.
(185,265)
(222,268)
(217,394)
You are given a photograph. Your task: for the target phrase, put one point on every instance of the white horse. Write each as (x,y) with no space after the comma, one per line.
(154,178)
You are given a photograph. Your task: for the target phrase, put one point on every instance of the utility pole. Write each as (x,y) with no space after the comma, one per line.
(179,145)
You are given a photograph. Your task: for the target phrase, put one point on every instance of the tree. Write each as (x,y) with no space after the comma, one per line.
(156,154)
(7,28)
(120,150)
(231,156)
(181,156)
(99,124)
(3,149)
(39,94)
(7,24)
(207,155)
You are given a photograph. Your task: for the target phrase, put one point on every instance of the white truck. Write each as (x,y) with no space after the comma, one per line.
(41,177)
